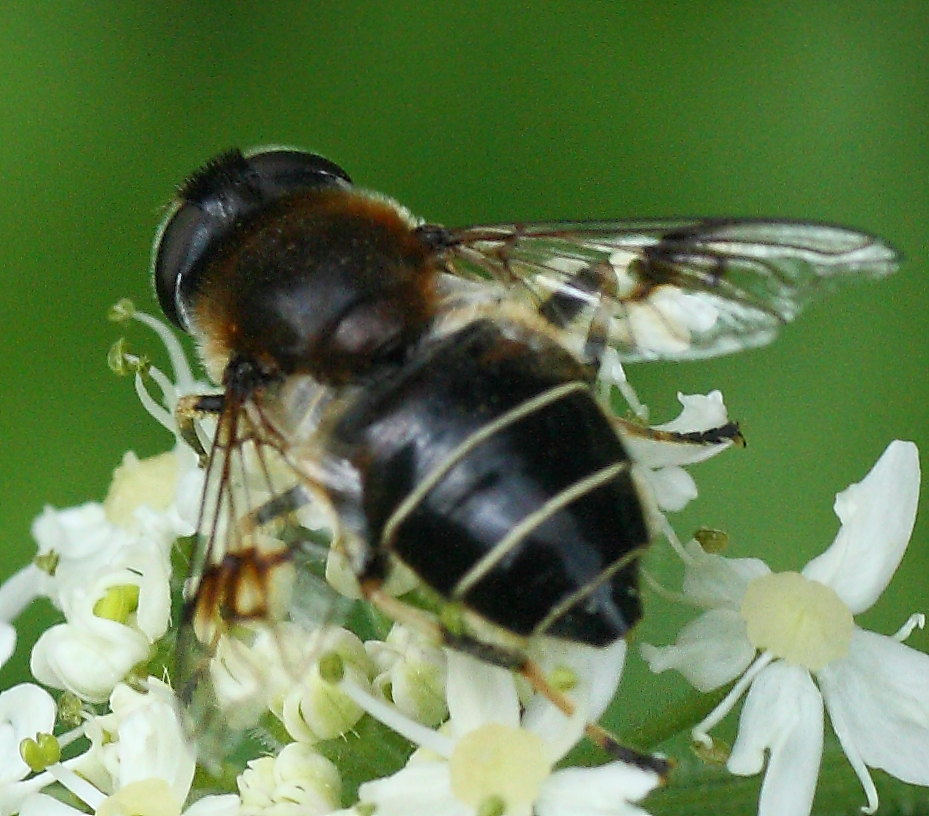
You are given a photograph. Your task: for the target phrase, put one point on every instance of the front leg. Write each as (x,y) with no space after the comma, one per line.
(188,410)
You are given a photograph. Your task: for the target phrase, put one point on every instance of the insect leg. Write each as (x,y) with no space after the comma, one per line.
(730,432)
(188,410)
(595,732)
(506,658)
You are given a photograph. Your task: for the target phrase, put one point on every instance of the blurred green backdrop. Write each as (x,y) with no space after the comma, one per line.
(479,112)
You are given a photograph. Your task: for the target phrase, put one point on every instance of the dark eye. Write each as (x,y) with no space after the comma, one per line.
(214,201)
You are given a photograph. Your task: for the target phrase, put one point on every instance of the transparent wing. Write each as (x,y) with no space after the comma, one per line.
(674,289)
(255,597)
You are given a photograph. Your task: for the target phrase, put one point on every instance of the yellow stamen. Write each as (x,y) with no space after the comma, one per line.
(118,603)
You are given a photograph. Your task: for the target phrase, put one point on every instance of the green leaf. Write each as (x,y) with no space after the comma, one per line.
(370,751)
(696,788)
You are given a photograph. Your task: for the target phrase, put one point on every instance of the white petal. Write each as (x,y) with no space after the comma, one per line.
(145,566)
(82,540)
(420,789)
(700,412)
(41,804)
(152,743)
(878,700)
(710,650)
(150,570)
(877,516)
(597,671)
(72,658)
(220,804)
(673,487)
(7,641)
(479,693)
(602,791)
(714,580)
(19,590)
(783,713)
(25,710)
(75,532)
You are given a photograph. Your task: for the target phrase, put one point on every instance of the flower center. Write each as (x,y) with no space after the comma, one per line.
(140,481)
(147,797)
(799,620)
(499,764)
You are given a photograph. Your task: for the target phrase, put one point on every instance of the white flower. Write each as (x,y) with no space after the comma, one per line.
(107,567)
(411,674)
(276,668)
(25,710)
(112,617)
(87,658)
(159,494)
(73,543)
(143,738)
(875,689)
(297,782)
(140,762)
(489,758)
(313,709)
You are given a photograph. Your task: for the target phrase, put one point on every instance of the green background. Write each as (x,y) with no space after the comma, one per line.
(471,112)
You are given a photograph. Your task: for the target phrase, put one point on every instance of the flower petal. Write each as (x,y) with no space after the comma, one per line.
(420,789)
(19,590)
(7,641)
(41,804)
(714,580)
(597,671)
(479,693)
(877,516)
(673,487)
(602,791)
(82,541)
(710,650)
(25,710)
(783,713)
(151,741)
(76,659)
(878,700)
(216,804)
(699,412)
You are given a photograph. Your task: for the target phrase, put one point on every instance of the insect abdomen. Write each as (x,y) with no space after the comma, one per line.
(489,469)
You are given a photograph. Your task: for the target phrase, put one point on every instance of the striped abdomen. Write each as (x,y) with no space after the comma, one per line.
(489,469)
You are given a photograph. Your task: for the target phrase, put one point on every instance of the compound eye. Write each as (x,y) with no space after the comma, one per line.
(280,172)
(214,202)
(182,241)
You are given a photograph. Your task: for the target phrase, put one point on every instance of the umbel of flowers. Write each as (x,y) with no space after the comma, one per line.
(379,720)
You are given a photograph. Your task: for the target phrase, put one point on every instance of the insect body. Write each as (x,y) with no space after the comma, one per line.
(433,387)
(489,469)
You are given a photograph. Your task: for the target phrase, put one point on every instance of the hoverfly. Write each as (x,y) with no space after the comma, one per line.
(432,389)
